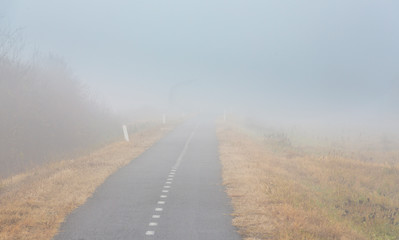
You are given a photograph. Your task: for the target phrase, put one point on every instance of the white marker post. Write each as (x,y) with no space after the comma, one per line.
(125,133)
(224,115)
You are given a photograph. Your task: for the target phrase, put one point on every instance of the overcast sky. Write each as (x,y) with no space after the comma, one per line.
(291,57)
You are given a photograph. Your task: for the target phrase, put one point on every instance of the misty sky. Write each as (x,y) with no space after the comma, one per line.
(289,57)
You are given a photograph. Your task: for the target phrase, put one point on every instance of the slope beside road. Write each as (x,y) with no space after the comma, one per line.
(34,203)
(172,191)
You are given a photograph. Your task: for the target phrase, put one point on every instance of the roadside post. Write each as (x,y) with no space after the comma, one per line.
(224,115)
(125,133)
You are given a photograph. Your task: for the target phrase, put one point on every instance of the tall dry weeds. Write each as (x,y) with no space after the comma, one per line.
(279,192)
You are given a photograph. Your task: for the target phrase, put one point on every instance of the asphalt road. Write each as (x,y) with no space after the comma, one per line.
(172,191)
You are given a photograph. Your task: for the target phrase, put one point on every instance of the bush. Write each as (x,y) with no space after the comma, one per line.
(46,114)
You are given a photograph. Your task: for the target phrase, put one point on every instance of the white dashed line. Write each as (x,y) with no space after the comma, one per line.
(167,183)
(185,148)
(149,233)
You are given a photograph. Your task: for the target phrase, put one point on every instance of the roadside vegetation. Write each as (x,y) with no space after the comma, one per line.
(57,144)
(46,113)
(286,190)
(33,204)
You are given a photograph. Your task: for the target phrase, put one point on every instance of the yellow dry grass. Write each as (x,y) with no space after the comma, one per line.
(279,192)
(35,203)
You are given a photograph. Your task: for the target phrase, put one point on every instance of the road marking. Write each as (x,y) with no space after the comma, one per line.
(176,166)
(169,181)
(150,233)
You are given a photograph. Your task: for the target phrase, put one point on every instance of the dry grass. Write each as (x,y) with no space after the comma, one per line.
(280,192)
(34,204)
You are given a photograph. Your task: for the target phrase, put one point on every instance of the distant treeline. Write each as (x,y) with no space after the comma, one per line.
(45,113)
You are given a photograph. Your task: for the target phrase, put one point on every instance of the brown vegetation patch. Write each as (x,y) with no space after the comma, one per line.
(34,204)
(279,192)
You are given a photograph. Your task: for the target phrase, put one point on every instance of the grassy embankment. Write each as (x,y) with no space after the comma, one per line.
(35,203)
(280,191)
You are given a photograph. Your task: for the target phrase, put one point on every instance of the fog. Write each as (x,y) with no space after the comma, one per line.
(310,63)
(290,57)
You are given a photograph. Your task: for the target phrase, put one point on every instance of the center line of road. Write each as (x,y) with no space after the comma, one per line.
(185,148)
(149,233)
(168,183)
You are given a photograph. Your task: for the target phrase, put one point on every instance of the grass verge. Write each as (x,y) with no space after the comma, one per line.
(280,192)
(35,203)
